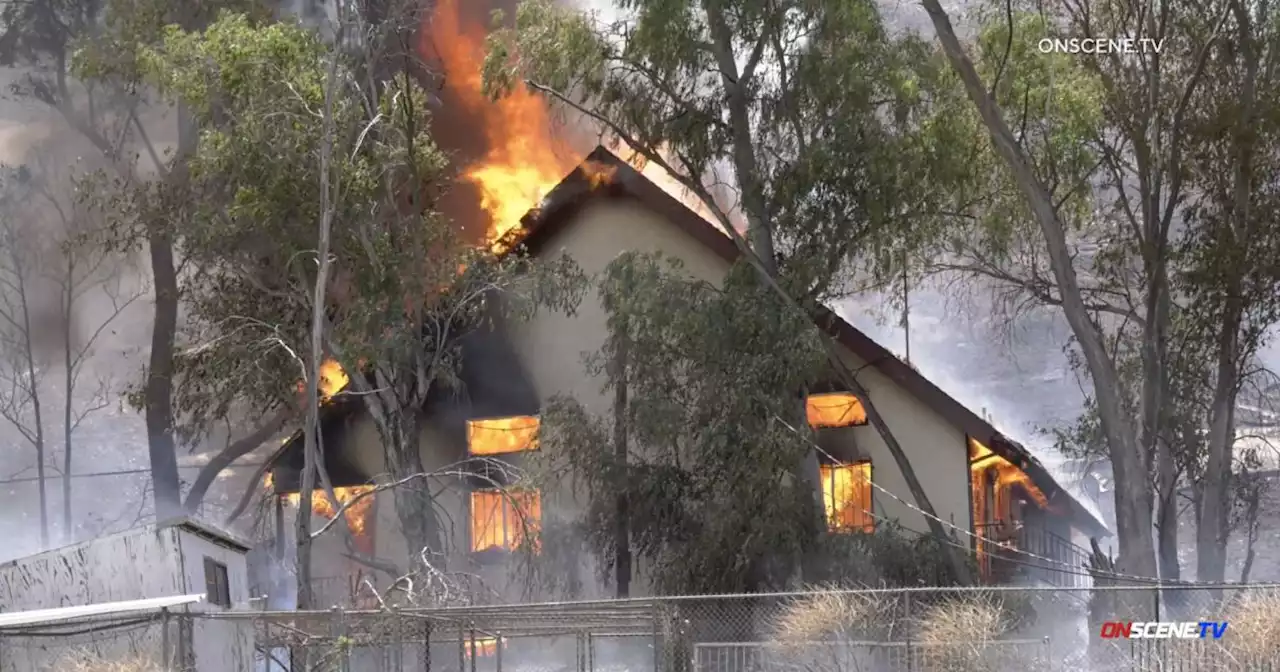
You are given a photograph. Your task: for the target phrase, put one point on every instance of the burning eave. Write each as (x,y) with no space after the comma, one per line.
(1059,499)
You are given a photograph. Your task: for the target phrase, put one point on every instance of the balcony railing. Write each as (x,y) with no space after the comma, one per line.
(1029,553)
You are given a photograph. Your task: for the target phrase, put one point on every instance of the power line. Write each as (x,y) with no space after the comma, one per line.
(122,472)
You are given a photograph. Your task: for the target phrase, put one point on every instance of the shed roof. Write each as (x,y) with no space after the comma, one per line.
(68,614)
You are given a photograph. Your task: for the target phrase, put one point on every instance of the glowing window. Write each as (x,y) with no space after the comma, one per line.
(837,409)
(846,495)
(495,436)
(503,520)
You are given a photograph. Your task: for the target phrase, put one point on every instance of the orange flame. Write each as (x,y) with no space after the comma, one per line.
(495,436)
(982,458)
(357,514)
(504,520)
(846,495)
(837,409)
(332,380)
(522,163)
(484,646)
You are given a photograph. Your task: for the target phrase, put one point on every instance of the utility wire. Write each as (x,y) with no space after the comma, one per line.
(123,472)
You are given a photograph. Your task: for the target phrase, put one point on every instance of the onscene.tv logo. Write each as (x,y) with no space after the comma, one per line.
(1164,630)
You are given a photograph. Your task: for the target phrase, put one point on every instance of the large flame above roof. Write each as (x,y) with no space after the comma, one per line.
(523,158)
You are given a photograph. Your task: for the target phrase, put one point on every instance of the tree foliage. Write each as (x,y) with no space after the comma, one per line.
(403,286)
(1119,179)
(710,374)
(799,125)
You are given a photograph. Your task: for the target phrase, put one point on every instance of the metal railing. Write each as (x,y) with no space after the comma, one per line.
(1028,554)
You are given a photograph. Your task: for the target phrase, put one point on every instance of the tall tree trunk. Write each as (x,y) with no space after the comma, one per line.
(414,505)
(1154,353)
(162,450)
(1212,527)
(1215,508)
(1167,514)
(68,388)
(1133,487)
(622,531)
(311,455)
(36,435)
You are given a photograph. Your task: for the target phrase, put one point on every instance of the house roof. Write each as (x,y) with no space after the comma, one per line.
(585,185)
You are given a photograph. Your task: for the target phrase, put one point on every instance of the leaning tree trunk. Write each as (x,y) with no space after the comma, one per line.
(1133,491)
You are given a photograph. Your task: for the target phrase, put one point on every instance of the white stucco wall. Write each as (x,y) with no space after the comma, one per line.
(552,347)
(937,450)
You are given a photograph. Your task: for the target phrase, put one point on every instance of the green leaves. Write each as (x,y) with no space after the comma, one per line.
(811,104)
(402,285)
(710,378)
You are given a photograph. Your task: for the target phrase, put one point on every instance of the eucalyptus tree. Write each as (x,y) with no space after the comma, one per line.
(293,135)
(810,109)
(1124,234)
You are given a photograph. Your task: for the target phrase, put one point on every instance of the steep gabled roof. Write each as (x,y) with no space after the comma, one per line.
(584,185)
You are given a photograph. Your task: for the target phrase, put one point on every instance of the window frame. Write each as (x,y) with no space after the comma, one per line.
(863,421)
(532,446)
(217,583)
(829,493)
(506,507)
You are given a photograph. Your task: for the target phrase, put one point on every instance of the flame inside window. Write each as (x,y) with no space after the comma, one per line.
(495,436)
(846,494)
(836,409)
(982,459)
(485,646)
(503,520)
(358,515)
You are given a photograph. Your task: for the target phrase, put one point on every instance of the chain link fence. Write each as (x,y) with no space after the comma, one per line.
(892,630)
(141,643)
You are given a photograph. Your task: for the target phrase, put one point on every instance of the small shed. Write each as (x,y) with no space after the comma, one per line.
(86,585)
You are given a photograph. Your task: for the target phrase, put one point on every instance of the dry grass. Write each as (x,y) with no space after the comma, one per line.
(89,662)
(959,635)
(828,614)
(1252,639)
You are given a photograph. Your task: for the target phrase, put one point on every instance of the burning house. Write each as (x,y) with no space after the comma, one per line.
(979,480)
(983,483)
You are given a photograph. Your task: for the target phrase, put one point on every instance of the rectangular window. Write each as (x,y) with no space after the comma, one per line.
(496,436)
(836,409)
(503,520)
(217,590)
(846,494)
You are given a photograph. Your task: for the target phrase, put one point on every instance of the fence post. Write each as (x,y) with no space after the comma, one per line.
(497,651)
(165,660)
(338,632)
(473,646)
(462,647)
(426,644)
(906,624)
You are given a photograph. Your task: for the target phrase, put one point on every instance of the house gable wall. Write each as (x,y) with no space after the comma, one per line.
(553,345)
